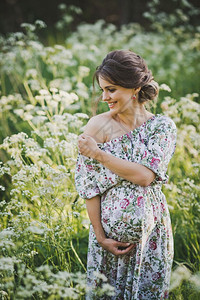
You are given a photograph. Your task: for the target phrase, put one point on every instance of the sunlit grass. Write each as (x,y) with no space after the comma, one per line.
(46,99)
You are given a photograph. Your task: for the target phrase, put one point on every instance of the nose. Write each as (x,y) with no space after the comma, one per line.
(105,96)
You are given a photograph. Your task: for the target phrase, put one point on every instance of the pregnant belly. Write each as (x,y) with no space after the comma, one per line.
(127,213)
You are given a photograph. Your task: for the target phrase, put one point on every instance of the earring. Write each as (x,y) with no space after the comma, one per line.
(134,97)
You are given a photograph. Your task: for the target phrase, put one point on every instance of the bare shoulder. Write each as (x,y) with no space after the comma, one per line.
(97,127)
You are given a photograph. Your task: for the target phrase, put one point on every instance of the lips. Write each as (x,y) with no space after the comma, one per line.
(112,104)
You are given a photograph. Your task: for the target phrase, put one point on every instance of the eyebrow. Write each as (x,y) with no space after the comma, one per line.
(108,86)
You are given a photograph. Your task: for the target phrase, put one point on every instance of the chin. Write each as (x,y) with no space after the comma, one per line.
(113,112)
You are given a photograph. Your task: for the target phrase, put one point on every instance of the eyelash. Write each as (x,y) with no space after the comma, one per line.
(110,90)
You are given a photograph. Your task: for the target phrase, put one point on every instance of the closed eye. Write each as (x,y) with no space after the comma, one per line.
(111,90)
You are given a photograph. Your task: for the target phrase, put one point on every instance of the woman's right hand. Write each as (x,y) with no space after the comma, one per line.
(113,246)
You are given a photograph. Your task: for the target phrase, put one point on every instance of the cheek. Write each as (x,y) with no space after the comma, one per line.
(80,143)
(117,96)
(124,97)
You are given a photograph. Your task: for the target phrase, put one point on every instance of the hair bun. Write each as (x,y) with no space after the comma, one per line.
(129,70)
(149,91)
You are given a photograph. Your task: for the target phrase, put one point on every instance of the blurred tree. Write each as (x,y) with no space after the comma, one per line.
(15,12)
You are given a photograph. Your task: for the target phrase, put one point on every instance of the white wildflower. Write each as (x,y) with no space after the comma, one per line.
(19,112)
(81,115)
(31,73)
(59,47)
(39,119)
(32,253)
(35,229)
(26,54)
(27,116)
(74,96)
(28,26)
(26,193)
(40,24)
(2,188)
(36,45)
(49,50)
(100,276)
(62,6)
(56,97)
(41,112)
(5,233)
(17,138)
(6,264)
(54,90)
(53,103)
(34,84)
(68,292)
(181,273)
(195,280)
(44,92)
(107,289)
(165,87)
(20,43)
(83,71)
(4,295)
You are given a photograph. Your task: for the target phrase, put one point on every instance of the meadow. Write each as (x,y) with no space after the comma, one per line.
(46,99)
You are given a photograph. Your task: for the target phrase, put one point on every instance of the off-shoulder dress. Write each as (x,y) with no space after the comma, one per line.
(132,213)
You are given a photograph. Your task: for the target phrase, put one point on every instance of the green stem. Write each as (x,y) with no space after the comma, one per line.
(3,86)
(30,95)
(77,256)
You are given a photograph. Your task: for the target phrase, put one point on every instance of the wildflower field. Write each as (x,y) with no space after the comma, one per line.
(46,99)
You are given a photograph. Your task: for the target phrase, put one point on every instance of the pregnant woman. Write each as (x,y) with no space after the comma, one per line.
(121,166)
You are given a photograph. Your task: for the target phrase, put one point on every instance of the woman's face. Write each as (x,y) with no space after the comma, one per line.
(117,97)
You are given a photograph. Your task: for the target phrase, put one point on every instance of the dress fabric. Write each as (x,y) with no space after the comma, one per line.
(132,213)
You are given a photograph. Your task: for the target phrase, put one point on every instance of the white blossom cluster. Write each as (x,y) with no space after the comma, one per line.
(46,98)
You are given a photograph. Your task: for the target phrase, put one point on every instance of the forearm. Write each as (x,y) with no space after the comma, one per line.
(130,171)
(94,212)
(111,245)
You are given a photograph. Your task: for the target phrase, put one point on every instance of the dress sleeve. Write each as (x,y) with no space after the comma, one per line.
(92,178)
(160,148)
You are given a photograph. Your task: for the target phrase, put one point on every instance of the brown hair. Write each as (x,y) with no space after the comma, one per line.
(127,69)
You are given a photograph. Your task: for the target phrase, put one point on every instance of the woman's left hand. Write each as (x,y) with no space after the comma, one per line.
(87,145)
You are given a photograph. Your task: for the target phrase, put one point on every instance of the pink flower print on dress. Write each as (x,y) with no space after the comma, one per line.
(158,232)
(96,190)
(154,162)
(89,168)
(105,220)
(166,295)
(140,201)
(145,154)
(152,245)
(147,226)
(162,207)
(124,203)
(111,180)
(126,218)
(156,276)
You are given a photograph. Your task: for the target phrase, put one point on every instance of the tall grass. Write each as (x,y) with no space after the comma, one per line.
(46,99)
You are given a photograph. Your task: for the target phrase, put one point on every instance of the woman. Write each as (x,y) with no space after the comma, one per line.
(121,166)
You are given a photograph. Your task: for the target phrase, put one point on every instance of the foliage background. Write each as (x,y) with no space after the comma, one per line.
(15,12)
(46,99)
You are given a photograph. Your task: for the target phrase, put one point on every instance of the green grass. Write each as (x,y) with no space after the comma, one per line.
(46,99)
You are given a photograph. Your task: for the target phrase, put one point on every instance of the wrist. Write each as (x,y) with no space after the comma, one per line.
(98,154)
(101,156)
(101,239)
(100,235)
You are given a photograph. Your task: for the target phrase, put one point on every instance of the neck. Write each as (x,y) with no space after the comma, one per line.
(134,116)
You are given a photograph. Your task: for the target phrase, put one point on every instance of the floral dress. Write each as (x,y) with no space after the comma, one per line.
(132,213)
